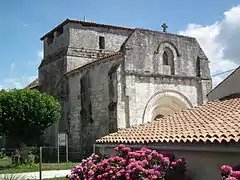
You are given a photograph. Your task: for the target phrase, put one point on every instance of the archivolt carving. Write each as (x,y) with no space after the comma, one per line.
(171,101)
(170,45)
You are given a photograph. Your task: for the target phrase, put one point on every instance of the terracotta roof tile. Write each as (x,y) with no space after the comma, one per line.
(216,121)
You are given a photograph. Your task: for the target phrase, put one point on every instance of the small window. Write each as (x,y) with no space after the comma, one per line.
(101,42)
(198,68)
(60,31)
(50,39)
(165,58)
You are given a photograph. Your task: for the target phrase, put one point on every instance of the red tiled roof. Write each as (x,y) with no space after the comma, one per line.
(85,23)
(215,121)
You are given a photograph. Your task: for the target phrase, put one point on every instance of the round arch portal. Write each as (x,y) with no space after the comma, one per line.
(165,103)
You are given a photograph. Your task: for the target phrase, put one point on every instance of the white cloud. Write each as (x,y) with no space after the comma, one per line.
(220,41)
(12,68)
(37,60)
(40,54)
(18,83)
(13,81)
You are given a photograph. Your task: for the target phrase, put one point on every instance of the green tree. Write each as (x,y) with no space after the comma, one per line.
(26,114)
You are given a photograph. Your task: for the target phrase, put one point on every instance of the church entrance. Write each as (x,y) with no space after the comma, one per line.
(159,116)
(164,104)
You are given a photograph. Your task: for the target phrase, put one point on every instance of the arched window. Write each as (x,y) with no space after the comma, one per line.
(165,58)
(168,59)
(198,68)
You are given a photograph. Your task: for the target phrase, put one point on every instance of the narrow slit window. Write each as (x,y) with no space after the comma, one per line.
(50,39)
(165,58)
(198,68)
(60,31)
(101,42)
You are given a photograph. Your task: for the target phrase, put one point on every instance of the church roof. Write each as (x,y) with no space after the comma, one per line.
(85,23)
(93,63)
(33,84)
(216,121)
(94,24)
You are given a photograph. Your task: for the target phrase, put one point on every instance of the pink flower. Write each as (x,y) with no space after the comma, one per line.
(145,162)
(151,171)
(236,174)
(179,161)
(121,146)
(91,172)
(166,160)
(126,149)
(128,164)
(226,169)
(157,173)
(118,174)
(231,178)
(149,157)
(173,163)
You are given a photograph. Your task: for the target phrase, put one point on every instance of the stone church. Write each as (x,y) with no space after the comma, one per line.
(110,77)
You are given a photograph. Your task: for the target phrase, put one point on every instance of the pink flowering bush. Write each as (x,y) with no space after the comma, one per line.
(230,173)
(142,164)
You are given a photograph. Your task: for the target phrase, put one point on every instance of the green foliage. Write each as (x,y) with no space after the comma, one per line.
(2,155)
(26,114)
(27,166)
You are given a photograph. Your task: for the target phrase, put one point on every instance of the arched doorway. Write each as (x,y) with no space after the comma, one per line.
(165,103)
(158,116)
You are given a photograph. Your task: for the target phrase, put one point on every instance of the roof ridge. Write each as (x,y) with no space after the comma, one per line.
(71,20)
(160,32)
(68,20)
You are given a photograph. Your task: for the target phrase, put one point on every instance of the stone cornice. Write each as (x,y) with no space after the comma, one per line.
(76,52)
(156,75)
(88,53)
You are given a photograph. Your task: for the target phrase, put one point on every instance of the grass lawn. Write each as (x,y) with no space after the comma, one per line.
(7,167)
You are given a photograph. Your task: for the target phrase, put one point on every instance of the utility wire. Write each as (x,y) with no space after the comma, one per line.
(223,72)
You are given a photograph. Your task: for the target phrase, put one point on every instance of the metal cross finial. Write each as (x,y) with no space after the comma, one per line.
(164,26)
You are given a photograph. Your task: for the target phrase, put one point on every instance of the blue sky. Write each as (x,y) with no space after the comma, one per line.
(25,21)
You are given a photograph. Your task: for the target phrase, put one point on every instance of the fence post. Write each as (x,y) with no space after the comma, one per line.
(40,163)
(66,146)
(94,148)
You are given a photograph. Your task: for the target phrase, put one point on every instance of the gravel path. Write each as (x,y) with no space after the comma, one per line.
(35,175)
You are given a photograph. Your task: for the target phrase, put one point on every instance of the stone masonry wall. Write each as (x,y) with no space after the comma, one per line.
(146,75)
(88,37)
(141,89)
(59,41)
(74,47)
(84,43)
(144,48)
(106,96)
(89,100)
